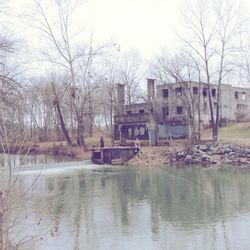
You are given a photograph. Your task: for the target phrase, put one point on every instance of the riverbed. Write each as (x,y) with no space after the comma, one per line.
(80,205)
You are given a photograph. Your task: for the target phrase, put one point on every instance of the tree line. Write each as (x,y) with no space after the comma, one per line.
(77,91)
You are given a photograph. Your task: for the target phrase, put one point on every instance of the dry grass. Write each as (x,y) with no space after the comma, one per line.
(237,133)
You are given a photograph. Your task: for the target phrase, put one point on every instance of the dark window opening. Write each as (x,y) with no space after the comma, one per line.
(236,95)
(165,93)
(213,92)
(241,106)
(204,91)
(178,91)
(141,111)
(179,110)
(129,112)
(195,91)
(215,104)
(165,110)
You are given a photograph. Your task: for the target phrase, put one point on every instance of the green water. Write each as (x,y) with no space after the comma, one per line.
(93,207)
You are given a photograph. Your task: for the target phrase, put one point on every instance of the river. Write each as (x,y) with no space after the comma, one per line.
(84,206)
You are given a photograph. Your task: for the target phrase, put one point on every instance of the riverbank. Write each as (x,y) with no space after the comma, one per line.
(233,148)
(49,148)
(207,154)
(179,152)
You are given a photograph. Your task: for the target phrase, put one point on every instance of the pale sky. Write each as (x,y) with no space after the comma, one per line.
(145,25)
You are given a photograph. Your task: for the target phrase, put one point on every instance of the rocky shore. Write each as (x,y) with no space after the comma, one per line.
(205,154)
(215,153)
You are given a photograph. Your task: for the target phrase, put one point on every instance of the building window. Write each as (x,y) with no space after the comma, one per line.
(178,91)
(179,110)
(213,92)
(165,110)
(236,95)
(195,91)
(204,91)
(141,111)
(241,106)
(129,112)
(165,93)
(243,96)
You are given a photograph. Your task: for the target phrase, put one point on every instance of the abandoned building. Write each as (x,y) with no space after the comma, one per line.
(171,105)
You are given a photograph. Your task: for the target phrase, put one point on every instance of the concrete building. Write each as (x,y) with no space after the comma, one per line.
(172,105)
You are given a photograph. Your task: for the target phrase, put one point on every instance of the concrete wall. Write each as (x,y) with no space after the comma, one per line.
(120,99)
(177,123)
(177,131)
(230,106)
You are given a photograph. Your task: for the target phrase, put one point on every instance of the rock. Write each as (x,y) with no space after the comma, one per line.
(242,161)
(213,150)
(220,151)
(189,159)
(196,161)
(205,158)
(204,148)
(227,149)
(227,161)
(180,155)
(197,152)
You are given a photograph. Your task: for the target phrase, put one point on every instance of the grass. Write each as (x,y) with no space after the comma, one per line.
(238,132)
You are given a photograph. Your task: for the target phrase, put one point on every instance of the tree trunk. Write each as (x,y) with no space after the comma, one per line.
(1,232)
(80,130)
(61,120)
(212,114)
(62,124)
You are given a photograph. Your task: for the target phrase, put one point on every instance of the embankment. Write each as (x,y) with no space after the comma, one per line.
(206,154)
(50,148)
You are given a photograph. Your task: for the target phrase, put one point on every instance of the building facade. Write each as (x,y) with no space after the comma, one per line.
(175,108)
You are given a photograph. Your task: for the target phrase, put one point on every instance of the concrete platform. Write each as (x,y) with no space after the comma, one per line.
(112,155)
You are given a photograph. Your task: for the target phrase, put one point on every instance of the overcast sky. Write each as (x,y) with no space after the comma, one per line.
(143,25)
(146,25)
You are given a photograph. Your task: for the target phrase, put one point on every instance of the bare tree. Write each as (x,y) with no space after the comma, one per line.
(211,37)
(130,70)
(182,70)
(69,53)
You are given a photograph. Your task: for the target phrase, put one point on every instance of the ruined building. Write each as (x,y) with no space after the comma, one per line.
(176,109)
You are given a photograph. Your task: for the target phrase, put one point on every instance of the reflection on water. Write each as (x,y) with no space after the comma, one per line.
(143,208)
(30,160)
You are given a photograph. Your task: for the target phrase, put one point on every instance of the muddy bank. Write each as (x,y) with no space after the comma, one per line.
(75,152)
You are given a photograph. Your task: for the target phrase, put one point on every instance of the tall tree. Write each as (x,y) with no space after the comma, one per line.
(69,52)
(210,34)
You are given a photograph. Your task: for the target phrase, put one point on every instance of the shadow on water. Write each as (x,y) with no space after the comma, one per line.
(144,208)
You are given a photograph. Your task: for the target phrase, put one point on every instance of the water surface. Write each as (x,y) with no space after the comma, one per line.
(92,207)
